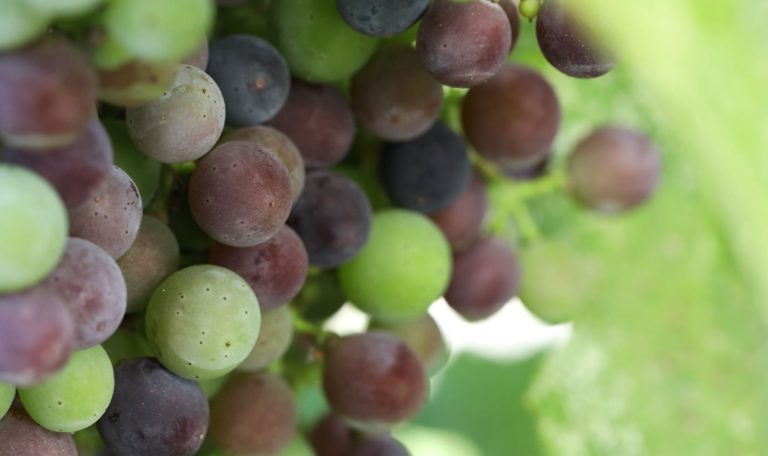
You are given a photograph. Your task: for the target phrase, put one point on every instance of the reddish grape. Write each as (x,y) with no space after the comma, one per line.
(510,9)
(21,436)
(378,445)
(423,336)
(331,436)
(462,221)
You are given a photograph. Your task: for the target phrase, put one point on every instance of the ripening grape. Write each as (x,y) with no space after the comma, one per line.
(394,97)
(428,173)
(153,256)
(464,42)
(21,436)
(203,321)
(154,412)
(331,436)
(253,77)
(319,121)
(76,170)
(274,339)
(381,18)
(513,118)
(240,194)
(320,297)
(403,268)
(373,379)
(33,223)
(7,394)
(510,9)
(253,414)
(275,269)
(37,336)
(423,336)
(74,398)
(184,123)
(19,23)
(136,82)
(111,217)
(614,169)
(568,43)
(144,171)
(198,58)
(462,221)
(378,445)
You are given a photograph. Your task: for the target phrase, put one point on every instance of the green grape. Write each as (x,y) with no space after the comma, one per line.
(34,226)
(159,30)
(404,267)
(19,23)
(63,7)
(76,397)
(110,54)
(297,447)
(529,8)
(203,321)
(318,45)
(7,392)
(125,344)
(144,171)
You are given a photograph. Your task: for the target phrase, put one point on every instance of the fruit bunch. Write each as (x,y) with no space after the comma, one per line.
(179,216)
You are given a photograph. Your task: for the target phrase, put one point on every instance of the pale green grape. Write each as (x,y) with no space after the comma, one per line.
(159,30)
(63,7)
(76,397)
(124,345)
(33,227)
(203,321)
(7,392)
(404,267)
(19,23)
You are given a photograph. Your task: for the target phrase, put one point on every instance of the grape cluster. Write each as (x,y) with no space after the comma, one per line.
(179,218)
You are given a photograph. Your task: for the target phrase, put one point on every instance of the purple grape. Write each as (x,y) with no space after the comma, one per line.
(378,445)
(331,436)
(20,436)
(462,221)
(381,18)
(510,9)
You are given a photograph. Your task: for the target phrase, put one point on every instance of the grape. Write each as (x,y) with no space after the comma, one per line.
(74,398)
(19,23)
(567,44)
(319,121)
(529,172)
(332,217)
(7,394)
(464,42)
(152,257)
(253,77)
(275,269)
(253,413)
(23,437)
(529,9)
(278,143)
(191,237)
(144,171)
(125,344)
(614,169)
(157,31)
(485,277)
(510,9)
(136,82)
(37,336)
(154,412)
(184,123)
(48,91)
(331,436)
(379,445)
(198,58)
(64,7)
(423,336)
(394,97)
(297,447)
(404,267)
(33,221)
(462,221)
(373,379)
(203,321)
(428,173)
(93,290)
(513,118)
(316,42)
(111,218)
(75,170)
(381,18)
(240,194)
(274,339)
(321,296)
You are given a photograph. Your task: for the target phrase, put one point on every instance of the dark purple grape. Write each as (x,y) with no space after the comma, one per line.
(332,217)
(320,297)
(464,42)
(37,336)
(154,412)
(240,194)
(253,77)
(111,217)
(513,118)
(253,413)
(428,173)
(462,221)
(510,9)
(394,97)
(21,436)
(48,93)
(275,269)
(614,169)
(381,18)
(199,58)
(374,379)
(331,436)
(378,445)
(319,120)
(75,170)
(567,44)
(90,284)
(484,278)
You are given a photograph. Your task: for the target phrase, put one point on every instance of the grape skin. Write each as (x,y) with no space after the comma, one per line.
(320,297)
(379,445)
(423,336)
(274,339)
(510,9)
(21,436)
(462,221)
(381,18)
(198,58)
(136,82)
(331,436)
